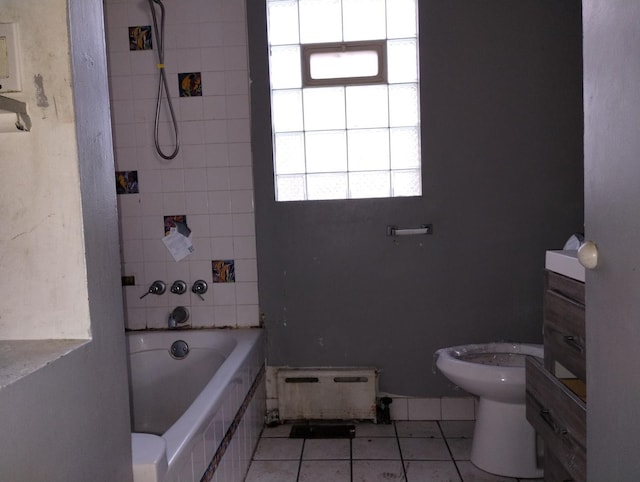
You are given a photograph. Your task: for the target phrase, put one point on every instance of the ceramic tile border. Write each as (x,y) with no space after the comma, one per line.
(228,436)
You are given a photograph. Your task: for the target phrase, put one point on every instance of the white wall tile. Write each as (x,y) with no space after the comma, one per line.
(219,202)
(197,202)
(222,248)
(242,201)
(217,155)
(244,225)
(224,315)
(218,178)
(240,154)
(248,315)
(220,225)
(215,107)
(458,408)
(424,408)
(246,270)
(224,293)
(244,247)
(241,178)
(247,293)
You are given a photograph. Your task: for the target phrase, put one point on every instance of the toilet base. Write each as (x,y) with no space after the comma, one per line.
(504,443)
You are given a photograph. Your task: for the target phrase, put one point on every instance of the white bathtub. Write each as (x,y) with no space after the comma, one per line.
(196,418)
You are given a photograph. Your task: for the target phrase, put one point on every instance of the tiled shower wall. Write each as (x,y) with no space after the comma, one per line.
(210,181)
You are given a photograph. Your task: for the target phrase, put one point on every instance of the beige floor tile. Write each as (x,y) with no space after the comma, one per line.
(325,471)
(273,471)
(377,471)
(375,448)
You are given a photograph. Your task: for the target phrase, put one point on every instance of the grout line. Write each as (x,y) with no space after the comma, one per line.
(404,470)
(304,441)
(446,442)
(351,459)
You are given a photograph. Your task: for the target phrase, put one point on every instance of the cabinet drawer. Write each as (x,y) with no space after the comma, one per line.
(567,287)
(564,333)
(559,417)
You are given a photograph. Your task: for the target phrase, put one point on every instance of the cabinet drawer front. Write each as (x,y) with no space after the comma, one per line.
(559,416)
(568,287)
(564,333)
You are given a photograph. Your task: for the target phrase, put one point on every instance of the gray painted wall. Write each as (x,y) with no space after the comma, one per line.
(69,421)
(501,102)
(612,197)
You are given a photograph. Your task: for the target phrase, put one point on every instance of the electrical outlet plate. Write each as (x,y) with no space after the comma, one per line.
(10,76)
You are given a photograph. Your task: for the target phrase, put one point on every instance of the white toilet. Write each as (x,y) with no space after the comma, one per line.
(504,443)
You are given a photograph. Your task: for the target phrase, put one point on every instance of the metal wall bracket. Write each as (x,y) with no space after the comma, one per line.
(20,109)
(422,230)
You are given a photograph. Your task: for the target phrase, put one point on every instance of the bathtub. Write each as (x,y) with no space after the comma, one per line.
(196,418)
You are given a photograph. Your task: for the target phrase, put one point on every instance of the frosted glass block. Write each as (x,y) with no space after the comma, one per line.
(284,67)
(289,153)
(340,65)
(364,19)
(320,21)
(283,22)
(367,106)
(327,186)
(286,110)
(402,61)
(369,184)
(368,149)
(290,188)
(404,106)
(402,19)
(326,151)
(324,108)
(406,183)
(405,147)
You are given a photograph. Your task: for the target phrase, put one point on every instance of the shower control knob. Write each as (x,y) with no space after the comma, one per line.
(199,288)
(157,288)
(178,287)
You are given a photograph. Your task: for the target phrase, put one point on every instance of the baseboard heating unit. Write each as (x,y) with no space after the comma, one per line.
(327,393)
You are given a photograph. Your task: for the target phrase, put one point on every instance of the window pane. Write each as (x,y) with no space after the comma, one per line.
(339,65)
(364,19)
(367,106)
(403,105)
(286,110)
(327,186)
(290,188)
(369,184)
(368,149)
(402,19)
(283,22)
(289,153)
(402,61)
(284,67)
(324,108)
(320,21)
(405,148)
(326,151)
(406,183)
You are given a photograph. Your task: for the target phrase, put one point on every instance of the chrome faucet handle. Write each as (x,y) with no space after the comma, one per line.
(157,288)
(200,287)
(178,317)
(178,287)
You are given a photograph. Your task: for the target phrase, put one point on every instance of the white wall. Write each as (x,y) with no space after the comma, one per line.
(210,181)
(68,421)
(41,242)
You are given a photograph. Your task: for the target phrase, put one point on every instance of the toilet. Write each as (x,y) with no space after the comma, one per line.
(504,443)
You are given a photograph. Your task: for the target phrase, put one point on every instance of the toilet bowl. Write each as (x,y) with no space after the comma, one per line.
(504,443)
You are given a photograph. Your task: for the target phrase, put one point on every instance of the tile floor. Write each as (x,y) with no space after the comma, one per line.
(419,451)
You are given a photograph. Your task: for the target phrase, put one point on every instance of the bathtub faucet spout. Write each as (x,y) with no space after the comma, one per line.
(178,317)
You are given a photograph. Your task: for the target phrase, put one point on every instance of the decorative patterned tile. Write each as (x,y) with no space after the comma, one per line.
(223,271)
(190,84)
(127,182)
(140,38)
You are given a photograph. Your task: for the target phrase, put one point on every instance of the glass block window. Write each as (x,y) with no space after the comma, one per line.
(344,98)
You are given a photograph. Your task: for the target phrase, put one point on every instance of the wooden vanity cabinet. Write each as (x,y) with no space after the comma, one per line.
(556,395)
